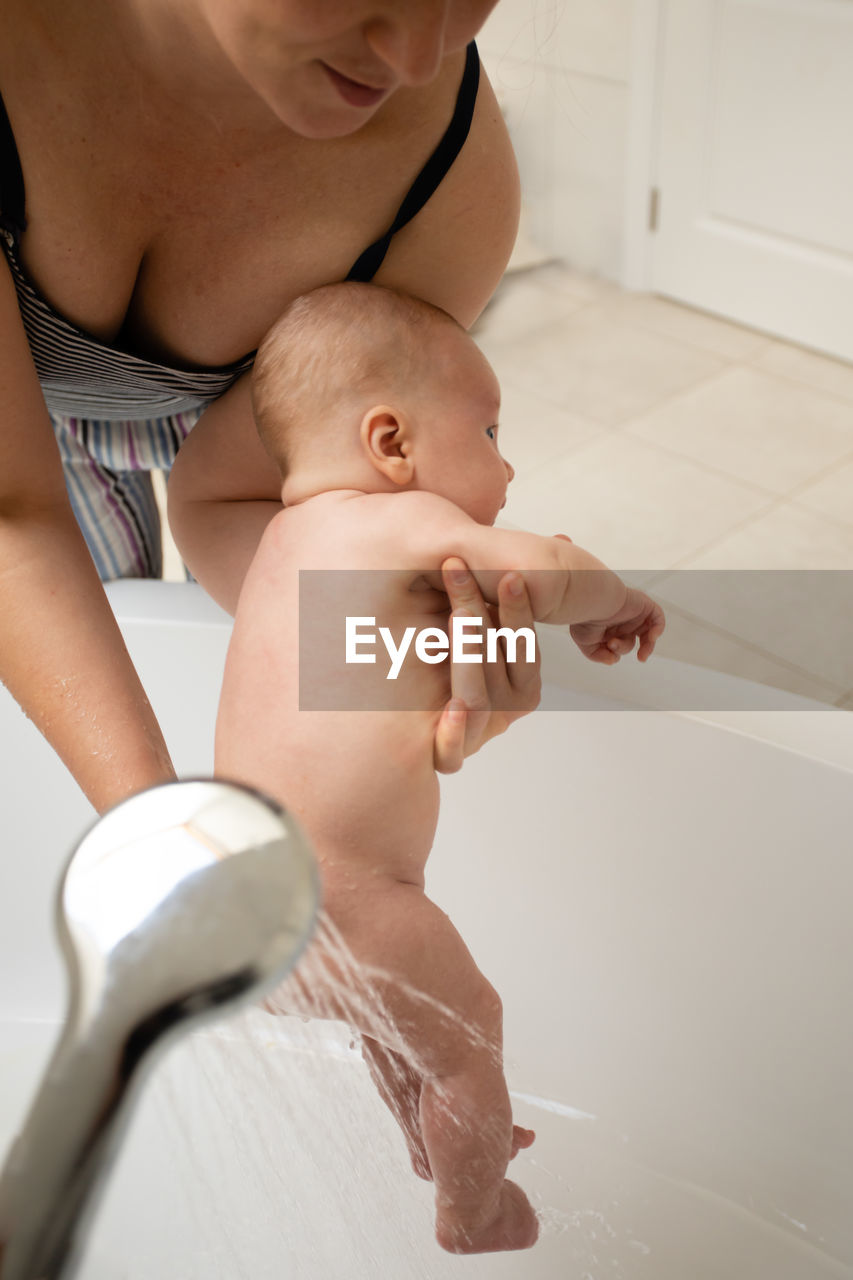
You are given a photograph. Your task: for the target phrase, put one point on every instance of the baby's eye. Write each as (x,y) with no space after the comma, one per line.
(492,432)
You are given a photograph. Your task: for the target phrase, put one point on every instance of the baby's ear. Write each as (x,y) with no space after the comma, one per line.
(386,439)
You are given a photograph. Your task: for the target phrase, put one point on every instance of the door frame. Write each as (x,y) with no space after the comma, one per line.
(645,91)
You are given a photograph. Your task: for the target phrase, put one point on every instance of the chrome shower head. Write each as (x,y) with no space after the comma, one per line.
(179,901)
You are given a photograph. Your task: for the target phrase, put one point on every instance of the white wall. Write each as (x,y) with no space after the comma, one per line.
(561,69)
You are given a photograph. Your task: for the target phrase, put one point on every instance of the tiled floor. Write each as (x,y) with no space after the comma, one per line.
(669,442)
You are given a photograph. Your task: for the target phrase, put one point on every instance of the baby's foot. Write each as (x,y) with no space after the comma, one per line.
(514,1225)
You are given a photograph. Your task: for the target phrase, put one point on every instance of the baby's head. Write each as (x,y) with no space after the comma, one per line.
(360,387)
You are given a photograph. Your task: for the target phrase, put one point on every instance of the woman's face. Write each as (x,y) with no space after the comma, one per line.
(326,66)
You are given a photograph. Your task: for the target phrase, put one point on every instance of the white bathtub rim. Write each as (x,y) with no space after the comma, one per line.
(787,721)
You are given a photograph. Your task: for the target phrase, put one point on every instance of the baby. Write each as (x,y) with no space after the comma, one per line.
(382,414)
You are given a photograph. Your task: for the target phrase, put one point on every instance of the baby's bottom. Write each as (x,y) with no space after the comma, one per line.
(434,1048)
(108,469)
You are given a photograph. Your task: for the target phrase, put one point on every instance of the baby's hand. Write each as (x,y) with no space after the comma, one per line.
(640,618)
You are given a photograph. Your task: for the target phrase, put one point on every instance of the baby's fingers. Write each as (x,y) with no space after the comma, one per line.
(652,632)
(620,645)
(649,640)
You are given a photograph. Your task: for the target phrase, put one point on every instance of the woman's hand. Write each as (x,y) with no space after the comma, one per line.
(485,697)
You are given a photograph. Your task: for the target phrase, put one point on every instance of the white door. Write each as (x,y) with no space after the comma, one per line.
(755,165)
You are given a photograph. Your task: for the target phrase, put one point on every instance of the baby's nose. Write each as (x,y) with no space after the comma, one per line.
(510,470)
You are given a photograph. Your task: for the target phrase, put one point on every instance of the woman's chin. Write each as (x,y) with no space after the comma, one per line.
(323,115)
(319,131)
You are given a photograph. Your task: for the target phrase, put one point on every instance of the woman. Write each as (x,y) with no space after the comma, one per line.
(172,172)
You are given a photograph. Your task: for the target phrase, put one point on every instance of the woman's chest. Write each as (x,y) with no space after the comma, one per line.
(185,243)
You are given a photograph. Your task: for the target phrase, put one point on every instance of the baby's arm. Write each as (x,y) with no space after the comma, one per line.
(566,585)
(426,1002)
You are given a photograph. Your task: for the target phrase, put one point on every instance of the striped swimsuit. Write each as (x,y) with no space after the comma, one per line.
(118,416)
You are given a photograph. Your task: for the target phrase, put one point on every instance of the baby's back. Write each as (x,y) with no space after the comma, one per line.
(346,749)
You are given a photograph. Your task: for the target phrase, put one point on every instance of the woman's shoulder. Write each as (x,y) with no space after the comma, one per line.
(455,251)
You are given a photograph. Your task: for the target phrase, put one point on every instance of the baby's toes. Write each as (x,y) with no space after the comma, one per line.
(521,1139)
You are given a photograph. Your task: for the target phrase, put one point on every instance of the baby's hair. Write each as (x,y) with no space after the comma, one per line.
(342,343)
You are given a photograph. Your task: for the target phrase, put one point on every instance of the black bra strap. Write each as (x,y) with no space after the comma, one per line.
(12,215)
(431,175)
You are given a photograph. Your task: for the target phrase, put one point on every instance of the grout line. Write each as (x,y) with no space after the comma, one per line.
(507,379)
(788,495)
(538,329)
(673,397)
(800,383)
(681,393)
(750,362)
(707,468)
(510,341)
(817,476)
(628,323)
(842,526)
(738,527)
(768,340)
(775,500)
(571,452)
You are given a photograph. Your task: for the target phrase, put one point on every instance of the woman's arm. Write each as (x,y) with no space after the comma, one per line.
(455,251)
(223,491)
(61,652)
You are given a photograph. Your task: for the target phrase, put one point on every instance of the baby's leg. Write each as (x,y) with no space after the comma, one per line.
(400,1085)
(466,1123)
(425,1000)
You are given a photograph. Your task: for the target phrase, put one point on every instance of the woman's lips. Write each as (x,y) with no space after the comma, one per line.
(354,92)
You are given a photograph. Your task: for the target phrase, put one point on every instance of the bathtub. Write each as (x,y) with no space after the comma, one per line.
(663,900)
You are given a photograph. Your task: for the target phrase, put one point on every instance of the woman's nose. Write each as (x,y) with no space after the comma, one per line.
(409,37)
